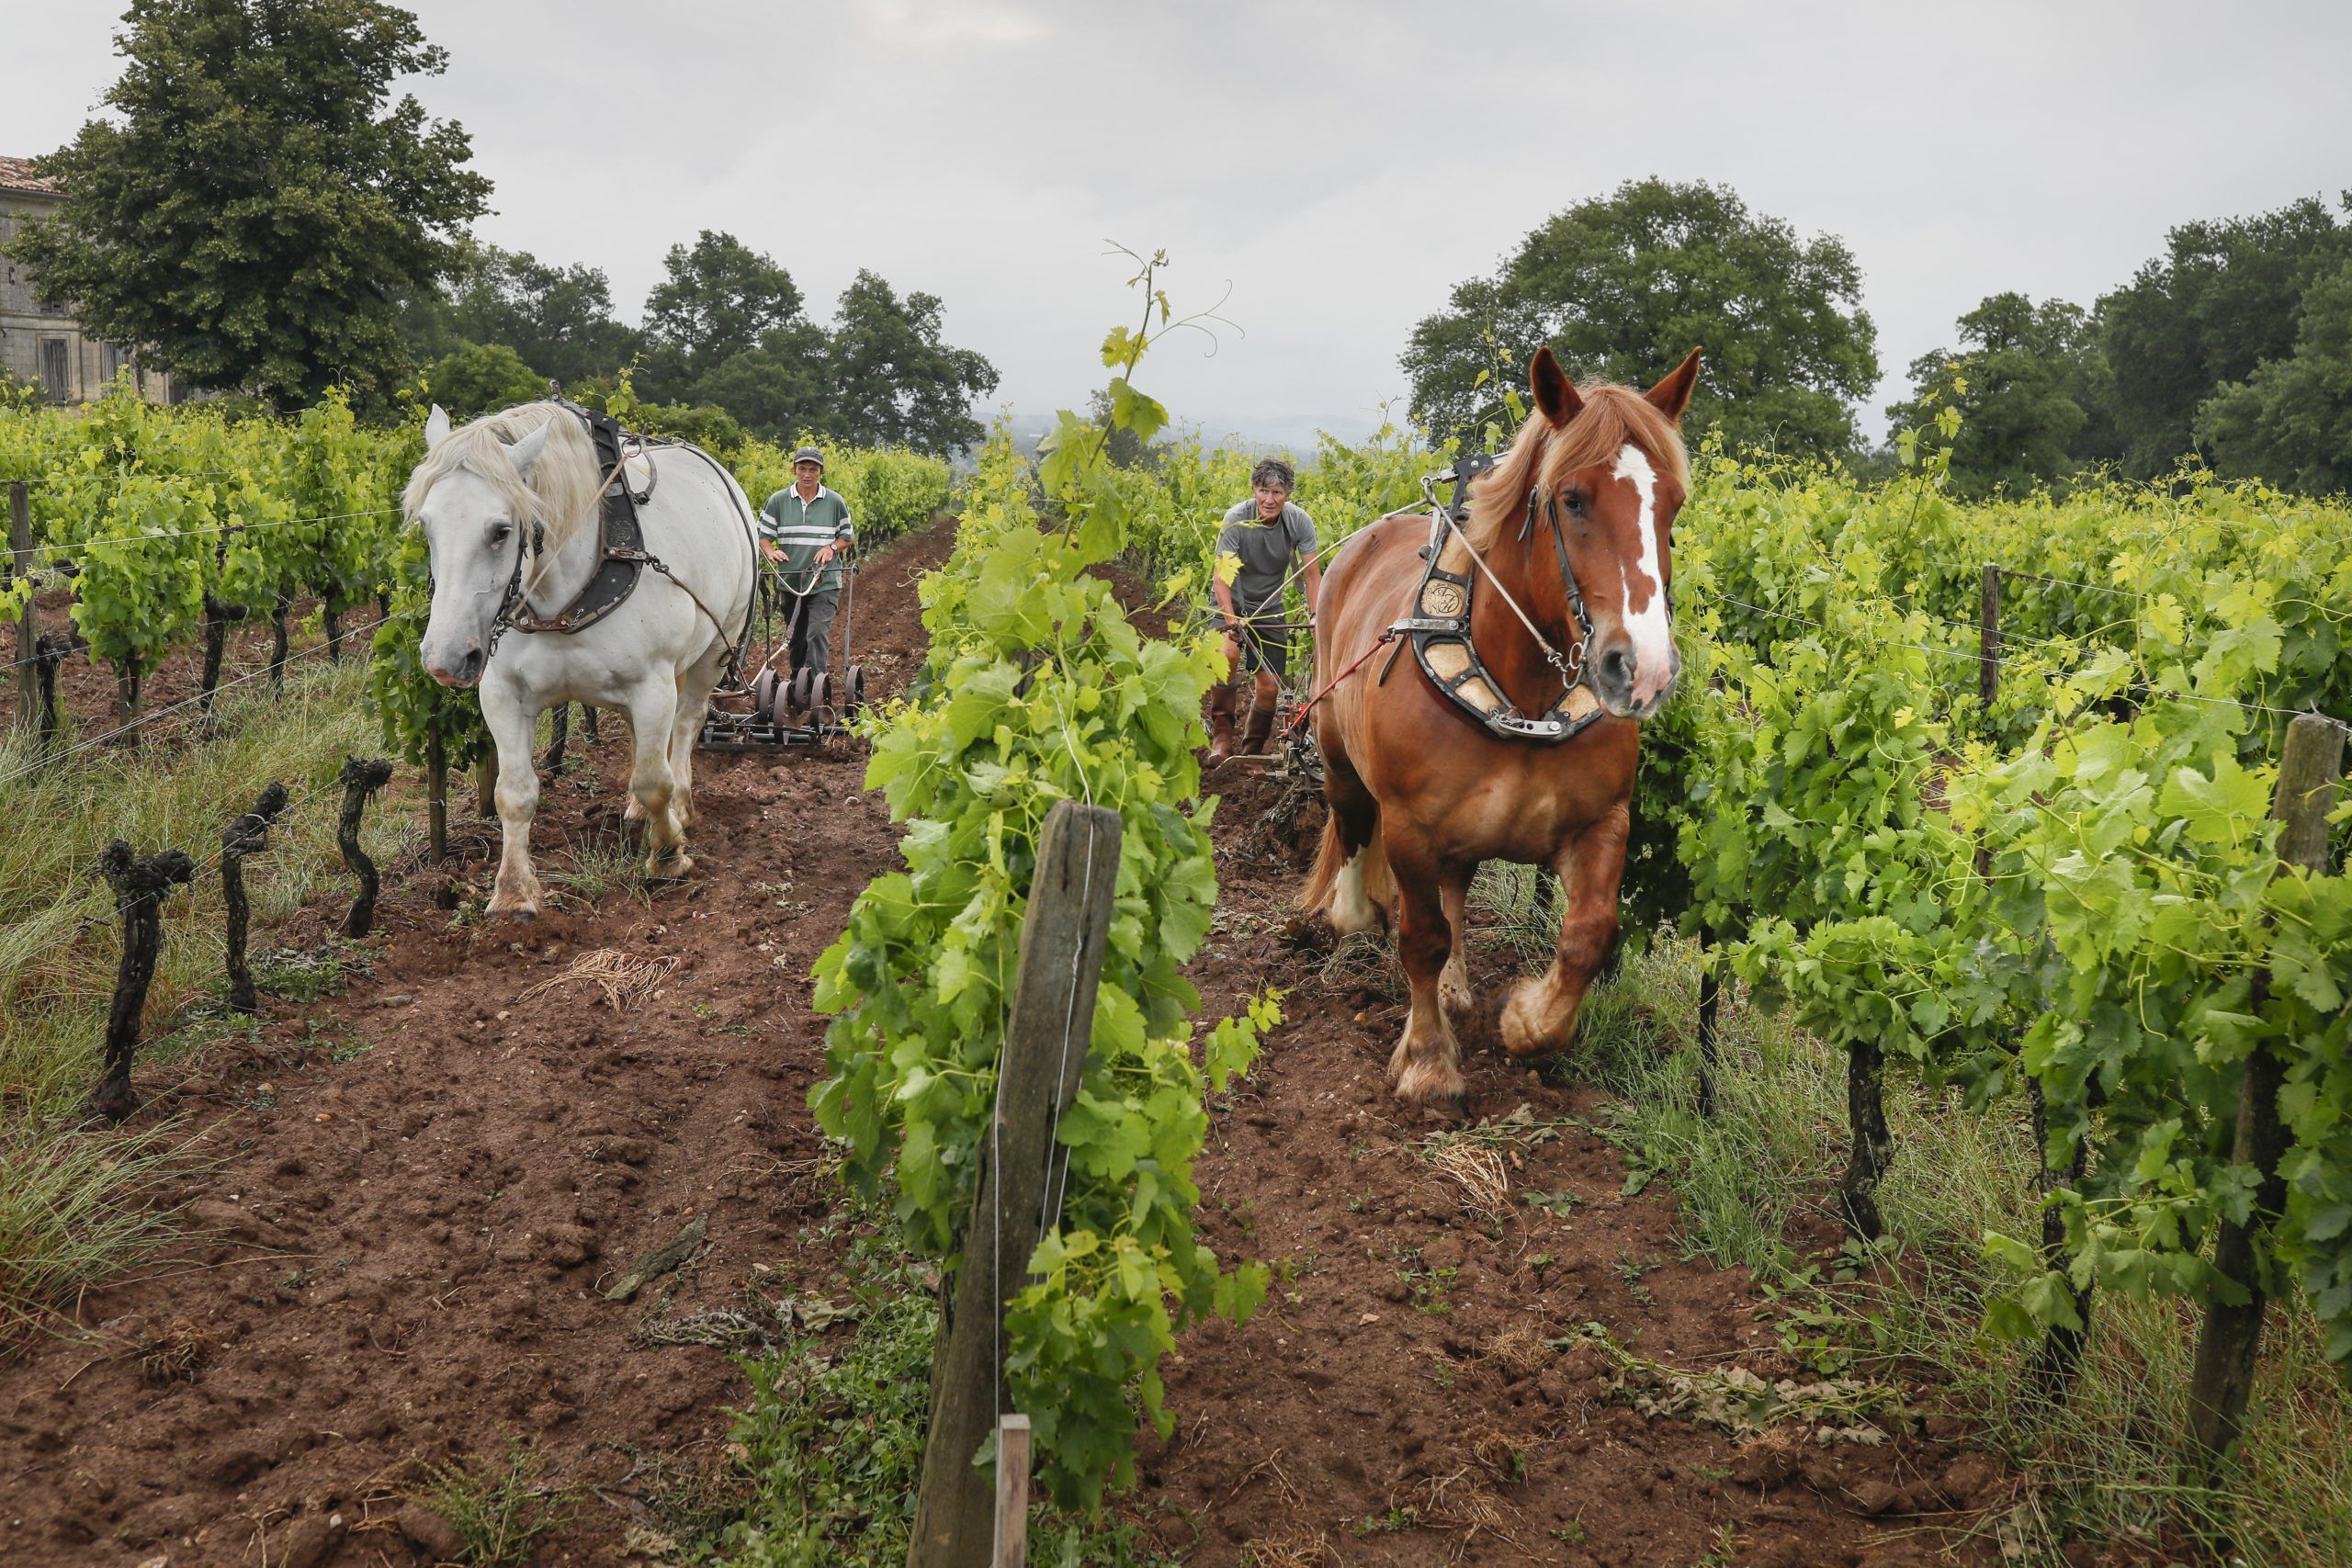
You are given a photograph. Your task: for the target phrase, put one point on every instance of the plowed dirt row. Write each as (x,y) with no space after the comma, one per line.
(416,1193)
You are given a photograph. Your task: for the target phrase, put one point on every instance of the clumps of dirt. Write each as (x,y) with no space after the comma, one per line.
(1419,1386)
(398,1255)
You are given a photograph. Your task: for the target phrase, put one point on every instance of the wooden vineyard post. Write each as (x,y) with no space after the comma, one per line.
(2227,1350)
(360,780)
(436,798)
(248,835)
(1062,943)
(1988,629)
(47,654)
(486,785)
(1011,1492)
(2061,1351)
(140,886)
(20,545)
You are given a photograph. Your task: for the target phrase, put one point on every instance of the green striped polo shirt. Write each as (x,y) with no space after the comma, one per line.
(800,529)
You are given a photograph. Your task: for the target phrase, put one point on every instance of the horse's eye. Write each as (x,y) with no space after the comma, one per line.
(1574,501)
(500,533)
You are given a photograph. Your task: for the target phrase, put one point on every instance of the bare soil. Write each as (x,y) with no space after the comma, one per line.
(412,1196)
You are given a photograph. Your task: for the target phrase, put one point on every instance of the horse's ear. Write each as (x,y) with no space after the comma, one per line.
(1672,396)
(1554,394)
(527,450)
(437,426)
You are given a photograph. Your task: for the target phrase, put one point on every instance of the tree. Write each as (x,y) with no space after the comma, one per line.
(893,379)
(480,378)
(2026,384)
(559,319)
(262,205)
(720,298)
(2225,297)
(1623,286)
(2291,422)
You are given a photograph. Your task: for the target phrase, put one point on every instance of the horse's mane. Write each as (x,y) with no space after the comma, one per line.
(1612,417)
(562,493)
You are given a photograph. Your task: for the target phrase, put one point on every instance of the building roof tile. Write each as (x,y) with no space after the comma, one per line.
(17,173)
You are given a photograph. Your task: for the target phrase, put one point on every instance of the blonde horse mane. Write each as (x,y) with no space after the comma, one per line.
(1543,455)
(562,494)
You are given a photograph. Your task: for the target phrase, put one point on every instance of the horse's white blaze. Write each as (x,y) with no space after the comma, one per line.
(1653,636)
(1351,909)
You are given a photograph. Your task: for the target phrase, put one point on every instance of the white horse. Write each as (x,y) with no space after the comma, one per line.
(482,494)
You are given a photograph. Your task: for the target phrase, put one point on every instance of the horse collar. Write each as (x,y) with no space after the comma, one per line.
(1439,630)
(621,555)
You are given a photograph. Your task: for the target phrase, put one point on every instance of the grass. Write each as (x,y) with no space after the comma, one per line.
(830,1447)
(2109,1464)
(500,1509)
(72,1200)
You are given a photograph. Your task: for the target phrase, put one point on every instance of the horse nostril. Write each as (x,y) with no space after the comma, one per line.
(1617,667)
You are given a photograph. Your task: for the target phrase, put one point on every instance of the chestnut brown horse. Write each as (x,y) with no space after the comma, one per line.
(1421,792)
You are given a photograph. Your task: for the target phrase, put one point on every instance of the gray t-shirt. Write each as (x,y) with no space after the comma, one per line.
(1266,549)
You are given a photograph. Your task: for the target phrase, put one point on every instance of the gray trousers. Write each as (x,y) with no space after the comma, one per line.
(810,616)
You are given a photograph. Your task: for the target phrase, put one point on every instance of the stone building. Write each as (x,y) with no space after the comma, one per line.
(43,343)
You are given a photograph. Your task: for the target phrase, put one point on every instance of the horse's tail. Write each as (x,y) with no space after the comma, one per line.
(1331,859)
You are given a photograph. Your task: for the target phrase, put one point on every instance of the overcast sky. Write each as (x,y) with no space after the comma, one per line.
(1340,164)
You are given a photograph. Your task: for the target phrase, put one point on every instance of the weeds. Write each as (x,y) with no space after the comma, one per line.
(2106,1463)
(500,1510)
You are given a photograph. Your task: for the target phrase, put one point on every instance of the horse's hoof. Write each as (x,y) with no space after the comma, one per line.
(670,870)
(524,913)
(1453,992)
(1524,1036)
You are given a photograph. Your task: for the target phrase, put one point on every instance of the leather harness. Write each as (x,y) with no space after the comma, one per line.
(623,556)
(1439,628)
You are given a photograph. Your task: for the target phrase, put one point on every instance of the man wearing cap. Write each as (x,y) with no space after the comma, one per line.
(805,531)
(1263,537)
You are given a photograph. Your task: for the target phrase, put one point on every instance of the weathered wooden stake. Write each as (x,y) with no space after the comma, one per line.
(1062,941)
(248,835)
(333,616)
(1988,628)
(2222,1379)
(486,785)
(588,719)
(436,798)
(1011,1492)
(20,543)
(1874,1146)
(139,887)
(360,780)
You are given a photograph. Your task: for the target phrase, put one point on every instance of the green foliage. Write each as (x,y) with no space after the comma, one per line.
(1623,286)
(717,298)
(2029,385)
(833,1443)
(2291,422)
(413,707)
(558,319)
(500,1509)
(256,202)
(478,378)
(1037,689)
(2224,297)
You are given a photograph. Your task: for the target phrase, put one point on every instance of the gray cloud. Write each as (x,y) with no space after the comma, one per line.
(1341,165)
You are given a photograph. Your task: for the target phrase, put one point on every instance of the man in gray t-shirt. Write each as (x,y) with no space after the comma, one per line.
(1264,536)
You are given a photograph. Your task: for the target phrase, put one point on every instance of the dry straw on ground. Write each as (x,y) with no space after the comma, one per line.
(625,981)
